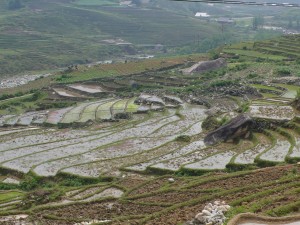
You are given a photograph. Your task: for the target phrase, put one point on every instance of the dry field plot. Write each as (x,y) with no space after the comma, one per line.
(137,199)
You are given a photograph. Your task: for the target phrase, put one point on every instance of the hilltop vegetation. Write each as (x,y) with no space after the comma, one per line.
(42,35)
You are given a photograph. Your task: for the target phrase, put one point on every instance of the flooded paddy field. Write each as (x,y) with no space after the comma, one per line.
(139,142)
(118,152)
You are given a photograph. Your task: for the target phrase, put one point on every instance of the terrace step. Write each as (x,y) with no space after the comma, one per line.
(214,162)
(278,152)
(249,155)
(87,89)
(279,99)
(65,93)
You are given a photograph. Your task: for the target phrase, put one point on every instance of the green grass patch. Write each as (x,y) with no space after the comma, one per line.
(9,195)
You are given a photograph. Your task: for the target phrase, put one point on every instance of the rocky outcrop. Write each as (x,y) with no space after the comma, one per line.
(173,100)
(238,90)
(205,66)
(237,127)
(149,99)
(296,103)
(212,214)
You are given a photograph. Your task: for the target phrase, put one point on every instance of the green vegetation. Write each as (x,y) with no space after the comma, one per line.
(104,164)
(6,196)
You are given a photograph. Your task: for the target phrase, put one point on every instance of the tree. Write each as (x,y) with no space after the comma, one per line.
(290,25)
(15,4)
(258,21)
(136,2)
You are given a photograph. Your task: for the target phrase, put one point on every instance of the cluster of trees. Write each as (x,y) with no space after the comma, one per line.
(258,21)
(294,22)
(15,4)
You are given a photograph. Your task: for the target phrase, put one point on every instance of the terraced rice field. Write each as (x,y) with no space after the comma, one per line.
(81,113)
(66,93)
(143,144)
(49,151)
(137,199)
(276,49)
(88,89)
(145,170)
(140,145)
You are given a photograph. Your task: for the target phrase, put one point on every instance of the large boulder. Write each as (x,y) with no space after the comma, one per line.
(237,127)
(205,66)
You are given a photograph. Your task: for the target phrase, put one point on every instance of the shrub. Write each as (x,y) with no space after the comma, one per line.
(210,123)
(41,196)
(4,186)
(298,94)
(283,72)
(222,83)
(252,75)
(183,138)
(29,183)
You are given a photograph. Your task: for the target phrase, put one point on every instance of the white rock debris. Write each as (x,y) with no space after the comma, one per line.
(171,180)
(92,222)
(212,214)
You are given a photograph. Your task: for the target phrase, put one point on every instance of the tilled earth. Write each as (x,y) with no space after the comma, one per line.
(164,201)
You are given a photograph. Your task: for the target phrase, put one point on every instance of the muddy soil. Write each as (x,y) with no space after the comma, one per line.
(261,176)
(101,210)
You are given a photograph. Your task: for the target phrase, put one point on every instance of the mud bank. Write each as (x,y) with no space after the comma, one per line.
(253,219)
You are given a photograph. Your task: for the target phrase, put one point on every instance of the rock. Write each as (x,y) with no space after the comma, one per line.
(199,217)
(237,127)
(173,100)
(212,214)
(206,212)
(205,66)
(149,99)
(122,115)
(10,180)
(171,180)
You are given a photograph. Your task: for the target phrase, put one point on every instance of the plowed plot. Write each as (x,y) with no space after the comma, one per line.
(169,197)
(174,201)
(66,93)
(55,117)
(261,176)
(90,89)
(101,210)
(156,184)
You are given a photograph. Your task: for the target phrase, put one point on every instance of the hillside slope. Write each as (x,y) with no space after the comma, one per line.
(46,35)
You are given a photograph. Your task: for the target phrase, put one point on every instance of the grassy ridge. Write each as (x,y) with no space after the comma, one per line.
(46,35)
